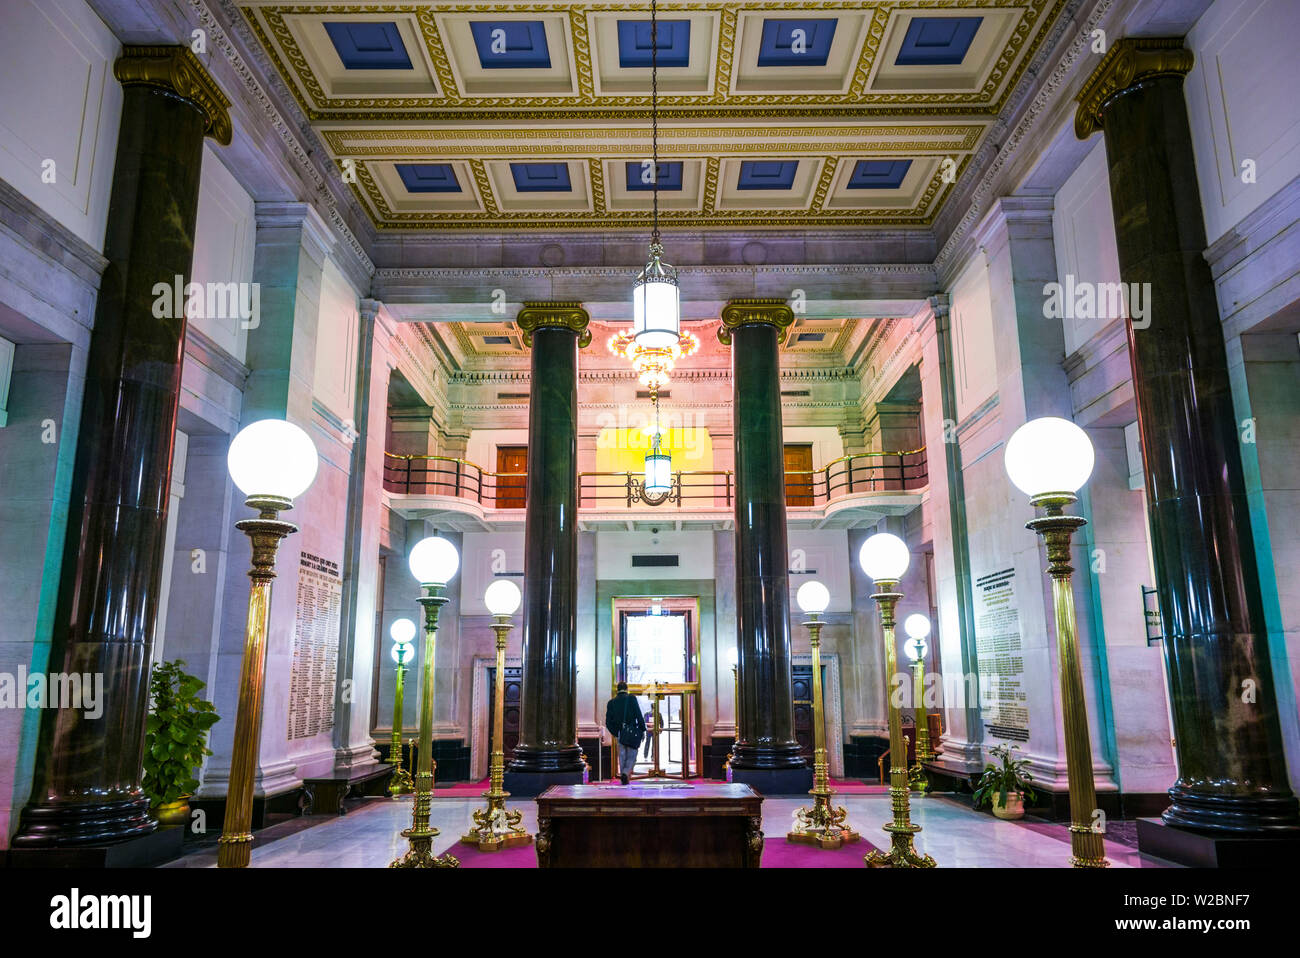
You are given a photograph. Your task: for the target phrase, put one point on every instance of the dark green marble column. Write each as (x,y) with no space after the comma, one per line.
(1231,766)
(86,786)
(548,752)
(766,755)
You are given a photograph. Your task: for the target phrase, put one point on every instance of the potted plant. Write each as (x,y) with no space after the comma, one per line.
(1006,784)
(176,740)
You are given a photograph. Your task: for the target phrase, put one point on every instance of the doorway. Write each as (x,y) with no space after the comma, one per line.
(512,481)
(798,474)
(655,654)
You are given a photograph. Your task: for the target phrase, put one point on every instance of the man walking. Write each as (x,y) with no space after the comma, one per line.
(624,722)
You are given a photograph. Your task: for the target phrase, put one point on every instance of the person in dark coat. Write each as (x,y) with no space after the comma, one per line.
(624,722)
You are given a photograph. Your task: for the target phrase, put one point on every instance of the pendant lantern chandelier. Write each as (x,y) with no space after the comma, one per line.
(656,299)
(656,341)
(658,465)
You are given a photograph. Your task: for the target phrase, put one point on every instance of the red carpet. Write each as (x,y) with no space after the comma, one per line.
(777,853)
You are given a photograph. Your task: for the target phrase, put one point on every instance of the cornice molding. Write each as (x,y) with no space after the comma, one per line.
(1129,62)
(255,88)
(1049,93)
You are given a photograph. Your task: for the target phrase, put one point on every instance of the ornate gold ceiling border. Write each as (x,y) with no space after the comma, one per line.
(321,106)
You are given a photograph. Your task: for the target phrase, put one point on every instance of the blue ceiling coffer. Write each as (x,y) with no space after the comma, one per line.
(878,174)
(366,45)
(541,177)
(767,174)
(796,43)
(670,175)
(511,44)
(937,41)
(428,177)
(634,43)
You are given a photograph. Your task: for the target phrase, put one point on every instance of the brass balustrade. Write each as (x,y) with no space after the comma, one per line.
(707,489)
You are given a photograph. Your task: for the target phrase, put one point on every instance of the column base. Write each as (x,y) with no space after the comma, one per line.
(532,784)
(1201,850)
(1231,816)
(775,781)
(60,825)
(144,851)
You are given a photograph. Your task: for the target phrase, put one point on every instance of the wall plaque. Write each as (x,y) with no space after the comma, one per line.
(1000,657)
(315,647)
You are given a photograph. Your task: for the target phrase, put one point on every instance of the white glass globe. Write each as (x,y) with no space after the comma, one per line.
(402,631)
(915,649)
(733,656)
(403,653)
(272,457)
(917,625)
(434,561)
(1049,455)
(502,597)
(884,557)
(813,596)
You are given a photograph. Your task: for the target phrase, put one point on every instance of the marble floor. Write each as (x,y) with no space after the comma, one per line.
(953,834)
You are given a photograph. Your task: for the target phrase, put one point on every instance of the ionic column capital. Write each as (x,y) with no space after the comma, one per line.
(755,312)
(554,315)
(177,70)
(1129,61)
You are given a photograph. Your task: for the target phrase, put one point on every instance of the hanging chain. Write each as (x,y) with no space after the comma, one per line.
(654,116)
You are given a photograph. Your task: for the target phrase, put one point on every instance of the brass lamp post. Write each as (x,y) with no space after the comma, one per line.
(433,562)
(1049,460)
(403,633)
(917,627)
(884,558)
(497,827)
(272,462)
(823,825)
(734,656)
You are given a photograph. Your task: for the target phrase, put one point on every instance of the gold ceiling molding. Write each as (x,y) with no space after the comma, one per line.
(1129,61)
(290,61)
(177,70)
(491,218)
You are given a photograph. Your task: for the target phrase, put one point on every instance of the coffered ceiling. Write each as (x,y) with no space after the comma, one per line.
(516,116)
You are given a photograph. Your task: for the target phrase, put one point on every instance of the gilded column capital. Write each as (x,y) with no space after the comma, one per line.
(1129,61)
(177,70)
(755,312)
(555,315)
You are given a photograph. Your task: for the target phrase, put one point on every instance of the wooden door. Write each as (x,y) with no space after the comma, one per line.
(798,474)
(801,687)
(510,725)
(512,490)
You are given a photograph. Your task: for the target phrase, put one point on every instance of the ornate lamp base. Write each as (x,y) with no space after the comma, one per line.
(421,852)
(823,825)
(917,780)
(901,853)
(497,827)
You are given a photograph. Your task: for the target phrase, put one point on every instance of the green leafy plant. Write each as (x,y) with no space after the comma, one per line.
(177,733)
(1004,778)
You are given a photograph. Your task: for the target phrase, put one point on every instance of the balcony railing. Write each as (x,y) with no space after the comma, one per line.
(694,489)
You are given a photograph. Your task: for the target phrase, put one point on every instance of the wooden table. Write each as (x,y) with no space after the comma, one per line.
(660,825)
